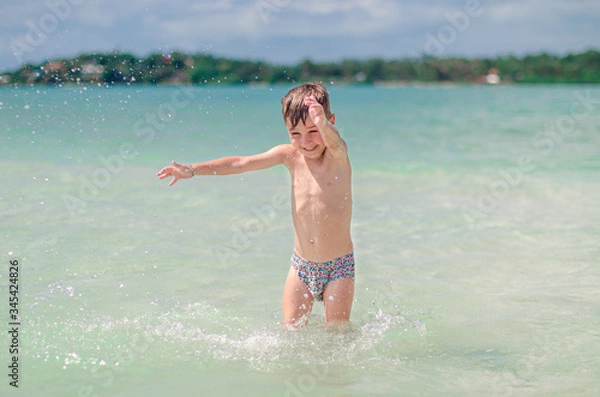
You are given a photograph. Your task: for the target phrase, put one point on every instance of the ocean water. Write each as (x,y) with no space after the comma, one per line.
(476,227)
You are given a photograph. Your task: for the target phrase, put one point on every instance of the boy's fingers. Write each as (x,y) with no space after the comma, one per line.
(163,173)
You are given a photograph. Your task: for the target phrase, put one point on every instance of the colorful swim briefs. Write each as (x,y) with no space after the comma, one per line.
(317,275)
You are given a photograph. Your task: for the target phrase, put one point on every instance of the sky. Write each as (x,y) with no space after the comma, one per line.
(288,31)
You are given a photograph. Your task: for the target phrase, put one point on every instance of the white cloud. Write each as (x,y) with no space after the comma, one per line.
(326,19)
(538,12)
(202,6)
(96,15)
(214,23)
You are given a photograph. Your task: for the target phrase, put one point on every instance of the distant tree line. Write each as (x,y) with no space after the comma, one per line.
(181,68)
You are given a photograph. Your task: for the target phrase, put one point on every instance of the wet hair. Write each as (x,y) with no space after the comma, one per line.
(293,107)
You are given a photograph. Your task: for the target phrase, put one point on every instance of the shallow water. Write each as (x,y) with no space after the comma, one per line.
(477,244)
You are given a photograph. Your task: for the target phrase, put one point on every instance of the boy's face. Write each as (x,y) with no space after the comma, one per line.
(306,138)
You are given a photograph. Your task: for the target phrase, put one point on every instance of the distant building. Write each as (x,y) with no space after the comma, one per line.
(4,79)
(92,71)
(33,75)
(492,76)
(189,62)
(55,67)
(92,68)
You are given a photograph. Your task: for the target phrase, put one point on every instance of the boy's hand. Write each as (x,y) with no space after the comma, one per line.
(315,111)
(177,171)
(331,136)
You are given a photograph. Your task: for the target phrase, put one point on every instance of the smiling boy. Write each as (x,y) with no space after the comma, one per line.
(322,265)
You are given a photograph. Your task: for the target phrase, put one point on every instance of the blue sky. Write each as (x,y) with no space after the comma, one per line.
(287,31)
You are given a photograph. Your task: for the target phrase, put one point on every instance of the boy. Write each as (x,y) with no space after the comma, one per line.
(322,265)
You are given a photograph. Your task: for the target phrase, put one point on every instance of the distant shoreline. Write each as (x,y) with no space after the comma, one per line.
(385,85)
(177,68)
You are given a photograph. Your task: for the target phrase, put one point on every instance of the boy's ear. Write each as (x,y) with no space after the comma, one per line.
(332,119)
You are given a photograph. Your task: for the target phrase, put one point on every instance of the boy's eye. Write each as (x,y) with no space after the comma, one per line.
(312,131)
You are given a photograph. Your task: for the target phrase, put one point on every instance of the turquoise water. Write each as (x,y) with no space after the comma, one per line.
(476,228)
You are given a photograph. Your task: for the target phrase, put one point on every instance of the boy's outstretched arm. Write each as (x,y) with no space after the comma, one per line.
(226,165)
(331,137)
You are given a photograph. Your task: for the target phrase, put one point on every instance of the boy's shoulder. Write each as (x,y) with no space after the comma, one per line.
(284,152)
(284,147)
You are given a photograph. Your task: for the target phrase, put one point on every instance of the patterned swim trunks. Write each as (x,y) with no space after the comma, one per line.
(317,275)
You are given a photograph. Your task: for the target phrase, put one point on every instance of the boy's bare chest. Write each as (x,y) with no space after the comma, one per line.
(315,184)
(321,188)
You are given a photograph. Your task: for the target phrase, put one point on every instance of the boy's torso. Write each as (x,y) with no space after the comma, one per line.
(322,206)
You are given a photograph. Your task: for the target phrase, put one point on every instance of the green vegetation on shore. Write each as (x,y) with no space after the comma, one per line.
(181,68)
